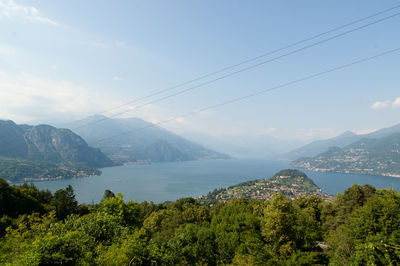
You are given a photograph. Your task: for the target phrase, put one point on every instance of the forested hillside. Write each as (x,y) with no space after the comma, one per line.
(41,228)
(319,146)
(368,156)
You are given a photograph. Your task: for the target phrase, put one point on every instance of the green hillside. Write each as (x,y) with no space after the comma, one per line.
(347,138)
(368,156)
(291,183)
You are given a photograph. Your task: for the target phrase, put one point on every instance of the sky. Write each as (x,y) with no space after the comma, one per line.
(65,60)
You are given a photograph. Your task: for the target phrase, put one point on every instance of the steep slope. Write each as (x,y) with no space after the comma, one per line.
(44,151)
(347,138)
(51,144)
(47,143)
(144,143)
(367,156)
(384,132)
(12,141)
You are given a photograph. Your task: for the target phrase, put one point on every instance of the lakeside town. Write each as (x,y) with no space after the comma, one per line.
(291,183)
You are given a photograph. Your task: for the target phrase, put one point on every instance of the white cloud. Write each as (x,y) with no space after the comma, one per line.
(363,131)
(396,103)
(380,105)
(26,98)
(386,104)
(53,67)
(9,8)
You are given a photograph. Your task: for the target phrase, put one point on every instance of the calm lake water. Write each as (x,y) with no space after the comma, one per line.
(160,182)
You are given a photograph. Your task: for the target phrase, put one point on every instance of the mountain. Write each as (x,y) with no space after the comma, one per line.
(44,151)
(383,132)
(319,146)
(47,143)
(145,142)
(316,147)
(241,146)
(367,156)
(290,182)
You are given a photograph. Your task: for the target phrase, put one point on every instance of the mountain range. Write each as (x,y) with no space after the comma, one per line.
(241,146)
(378,156)
(139,141)
(316,147)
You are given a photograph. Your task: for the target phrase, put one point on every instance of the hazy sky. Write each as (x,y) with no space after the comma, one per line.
(63,60)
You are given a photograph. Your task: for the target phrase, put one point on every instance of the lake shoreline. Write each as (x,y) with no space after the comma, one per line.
(347,172)
(168,181)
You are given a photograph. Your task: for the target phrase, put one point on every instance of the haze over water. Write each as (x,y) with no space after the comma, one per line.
(161,182)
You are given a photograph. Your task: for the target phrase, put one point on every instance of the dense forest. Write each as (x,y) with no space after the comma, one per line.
(360,226)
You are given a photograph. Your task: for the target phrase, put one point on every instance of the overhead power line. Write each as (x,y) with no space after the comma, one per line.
(240,70)
(256,93)
(247,60)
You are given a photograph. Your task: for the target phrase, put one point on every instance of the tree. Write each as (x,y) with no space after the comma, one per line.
(108,194)
(64,202)
(371,233)
(278,226)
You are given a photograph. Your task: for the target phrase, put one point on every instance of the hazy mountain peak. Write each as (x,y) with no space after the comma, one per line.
(347,133)
(314,148)
(139,140)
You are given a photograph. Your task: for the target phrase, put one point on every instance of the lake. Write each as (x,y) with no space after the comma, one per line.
(160,182)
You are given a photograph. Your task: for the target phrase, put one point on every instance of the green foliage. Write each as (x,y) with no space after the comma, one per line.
(360,227)
(64,202)
(16,200)
(371,234)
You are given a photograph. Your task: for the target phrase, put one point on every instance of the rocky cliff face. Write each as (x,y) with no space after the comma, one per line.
(47,143)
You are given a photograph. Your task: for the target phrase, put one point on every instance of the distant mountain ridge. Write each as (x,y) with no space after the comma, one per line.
(316,147)
(244,146)
(145,143)
(378,156)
